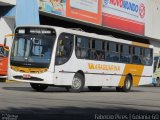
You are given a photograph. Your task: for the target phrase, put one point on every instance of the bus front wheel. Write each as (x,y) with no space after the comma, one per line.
(39,87)
(77,83)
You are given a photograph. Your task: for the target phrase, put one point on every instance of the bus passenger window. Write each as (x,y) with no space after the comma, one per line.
(113,54)
(125,56)
(82,47)
(64,48)
(99,50)
(99,55)
(147,58)
(136,55)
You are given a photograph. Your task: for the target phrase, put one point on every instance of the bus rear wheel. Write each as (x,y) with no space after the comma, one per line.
(39,87)
(77,83)
(127,85)
(95,88)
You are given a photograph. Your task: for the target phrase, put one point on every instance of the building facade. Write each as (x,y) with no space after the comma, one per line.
(127,17)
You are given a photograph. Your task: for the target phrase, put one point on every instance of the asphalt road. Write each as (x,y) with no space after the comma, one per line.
(19,102)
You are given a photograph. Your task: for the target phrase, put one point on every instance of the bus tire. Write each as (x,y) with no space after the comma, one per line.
(95,88)
(39,87)
(127,84)
(77,83)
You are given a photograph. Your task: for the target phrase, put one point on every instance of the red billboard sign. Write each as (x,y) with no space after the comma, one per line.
(126,15)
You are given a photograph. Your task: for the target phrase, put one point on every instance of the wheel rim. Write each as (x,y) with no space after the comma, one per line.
(128,84)
(76,83)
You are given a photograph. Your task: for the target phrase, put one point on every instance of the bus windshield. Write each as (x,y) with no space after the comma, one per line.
(4,52)
(32,50)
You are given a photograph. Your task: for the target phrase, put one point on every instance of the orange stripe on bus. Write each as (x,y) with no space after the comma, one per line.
(140,44)
(136,72)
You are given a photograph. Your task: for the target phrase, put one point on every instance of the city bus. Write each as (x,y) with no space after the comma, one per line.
(52,56)
(4,52)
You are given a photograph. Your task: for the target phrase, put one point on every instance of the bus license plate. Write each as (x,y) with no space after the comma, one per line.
(26,76)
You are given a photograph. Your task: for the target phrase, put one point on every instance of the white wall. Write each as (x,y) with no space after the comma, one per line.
(6,27)
(152,20)
(152,23)
(156,45)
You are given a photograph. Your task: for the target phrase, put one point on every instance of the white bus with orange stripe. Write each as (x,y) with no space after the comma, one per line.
(45,55)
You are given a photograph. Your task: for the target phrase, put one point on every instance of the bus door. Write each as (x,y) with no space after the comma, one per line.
(156,72)
(64,49)
(156,65)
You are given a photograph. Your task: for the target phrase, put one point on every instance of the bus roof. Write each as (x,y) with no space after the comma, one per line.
(93,35)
